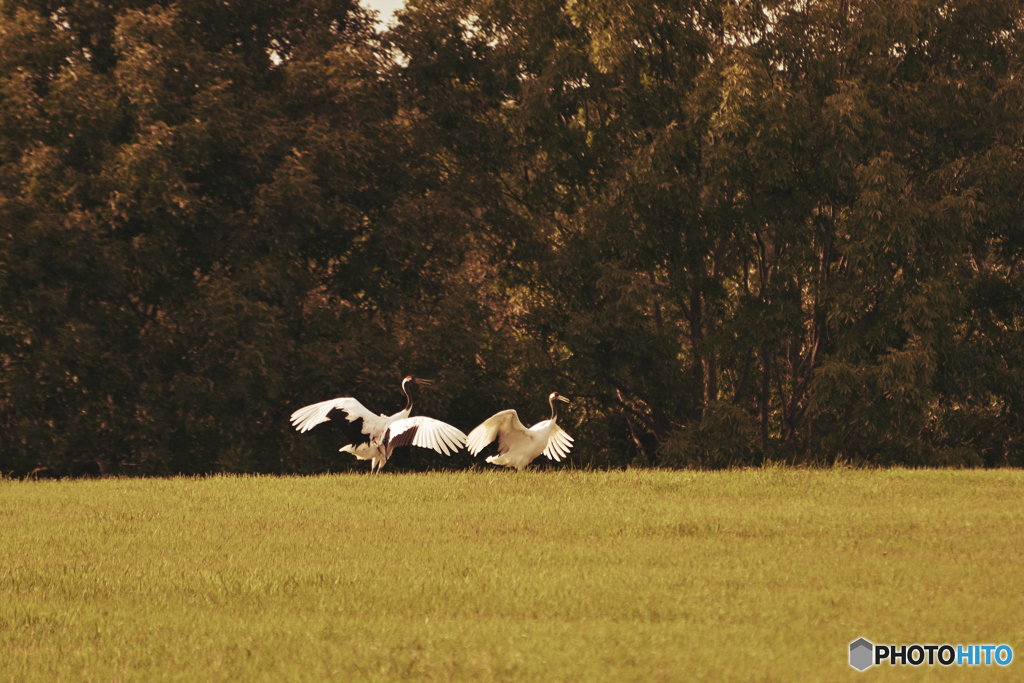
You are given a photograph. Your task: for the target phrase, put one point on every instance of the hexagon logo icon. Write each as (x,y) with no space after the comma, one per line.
(861,654)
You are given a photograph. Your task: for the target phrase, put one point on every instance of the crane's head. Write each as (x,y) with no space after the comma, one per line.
(555,396)
(406,383)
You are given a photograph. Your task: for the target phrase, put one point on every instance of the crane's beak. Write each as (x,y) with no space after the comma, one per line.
(423,382)
(563,399)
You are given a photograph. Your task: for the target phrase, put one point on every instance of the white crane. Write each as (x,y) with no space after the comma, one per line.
(517,445)
(373,437)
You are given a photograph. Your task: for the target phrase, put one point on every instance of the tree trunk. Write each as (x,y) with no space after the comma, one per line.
(765,396)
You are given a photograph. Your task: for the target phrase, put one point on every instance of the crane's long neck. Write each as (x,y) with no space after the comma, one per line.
(408,398)
(554,410)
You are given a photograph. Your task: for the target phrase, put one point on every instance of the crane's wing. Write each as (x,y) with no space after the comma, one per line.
(498,426)
(559,443)
(425,432)
(357,422)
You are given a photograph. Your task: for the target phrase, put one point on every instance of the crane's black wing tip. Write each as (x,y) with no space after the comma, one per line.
(404,438)
(491,449)
(352,429)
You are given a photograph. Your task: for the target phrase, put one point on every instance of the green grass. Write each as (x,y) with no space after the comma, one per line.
(751,575)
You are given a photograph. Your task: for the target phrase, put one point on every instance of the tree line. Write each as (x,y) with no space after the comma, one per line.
(731,231)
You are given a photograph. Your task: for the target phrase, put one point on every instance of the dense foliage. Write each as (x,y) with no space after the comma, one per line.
(730,231)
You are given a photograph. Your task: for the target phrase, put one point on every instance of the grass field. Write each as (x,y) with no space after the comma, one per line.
(753,575)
